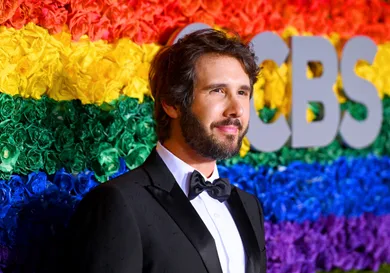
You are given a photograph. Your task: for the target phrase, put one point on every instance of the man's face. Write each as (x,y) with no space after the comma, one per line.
(218,119)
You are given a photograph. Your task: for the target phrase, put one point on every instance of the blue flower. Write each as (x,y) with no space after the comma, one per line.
(5,198)
(19,192)
(84,183)
(64,181)
(37,183)
(302,191)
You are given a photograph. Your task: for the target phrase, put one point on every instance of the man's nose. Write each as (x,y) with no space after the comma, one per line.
(234,108)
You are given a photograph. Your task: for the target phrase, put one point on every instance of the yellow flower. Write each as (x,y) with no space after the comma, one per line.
(34,63)
(37,85)
(309,115)
(337,89)
(288,32)
(273,83)
(150,51)
(9,83)
(137,88)
(245,147)
(30,58)
(258,94)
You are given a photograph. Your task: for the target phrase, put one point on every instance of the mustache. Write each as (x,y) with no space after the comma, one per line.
(227,122)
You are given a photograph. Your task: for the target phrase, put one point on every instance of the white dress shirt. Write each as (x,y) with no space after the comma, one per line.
(214,214)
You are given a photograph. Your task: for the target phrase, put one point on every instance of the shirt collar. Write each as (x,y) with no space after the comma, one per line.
(180,170)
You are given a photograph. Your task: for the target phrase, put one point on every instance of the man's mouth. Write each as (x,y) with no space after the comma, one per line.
(228,129)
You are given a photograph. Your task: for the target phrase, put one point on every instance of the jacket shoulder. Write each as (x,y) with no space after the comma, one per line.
(126,184)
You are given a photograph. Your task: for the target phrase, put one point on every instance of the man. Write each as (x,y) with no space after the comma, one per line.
(167,215)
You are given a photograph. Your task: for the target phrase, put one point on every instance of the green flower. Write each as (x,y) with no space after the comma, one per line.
(39,137)
(146,109)
(270,159)
(34,160)
(145,132)
(333,150)
(95,130)
(94,112)
(65,111)
(285,156)
(310,155)
(127,108)
(124,143)
(64,138)
(20,135)
(106,162)
(357,110)
(18,111)
(74,159)
(137,156)
(9,154)
(114,129)
(51,162)
(6,128)
(78,163)
(266,114)
(131,125)
(21,164)
(317,110)
(7,106)
(34,110)
(379,145)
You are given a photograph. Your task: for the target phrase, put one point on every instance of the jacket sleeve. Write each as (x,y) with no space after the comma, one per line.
(263,258)
(103,235)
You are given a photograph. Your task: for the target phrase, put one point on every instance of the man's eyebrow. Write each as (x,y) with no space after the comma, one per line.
(222,85)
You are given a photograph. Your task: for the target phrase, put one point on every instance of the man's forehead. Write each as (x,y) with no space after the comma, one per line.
(227,66)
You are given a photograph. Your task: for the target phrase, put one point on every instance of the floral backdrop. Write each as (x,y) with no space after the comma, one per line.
(76,111)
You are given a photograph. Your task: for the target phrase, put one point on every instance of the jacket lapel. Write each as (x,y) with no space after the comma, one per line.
(169,194)
(245,228)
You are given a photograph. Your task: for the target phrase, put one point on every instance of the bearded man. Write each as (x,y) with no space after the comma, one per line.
(174,213)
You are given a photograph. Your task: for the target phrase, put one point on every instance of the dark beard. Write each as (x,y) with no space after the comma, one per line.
(207,145)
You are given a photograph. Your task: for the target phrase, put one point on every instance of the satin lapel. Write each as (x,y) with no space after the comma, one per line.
(169,194)
(246,231)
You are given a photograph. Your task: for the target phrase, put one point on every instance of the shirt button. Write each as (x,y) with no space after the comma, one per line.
(216,215)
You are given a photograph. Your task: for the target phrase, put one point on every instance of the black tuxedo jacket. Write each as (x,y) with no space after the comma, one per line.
(143,222)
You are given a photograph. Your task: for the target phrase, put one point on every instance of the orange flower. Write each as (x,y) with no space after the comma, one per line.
(114,19)
(213,7)
(203,17)
(189,7)
(7,9)
(128,29)
(252,8)
(28,11)
(79,23)
(53,16)
(86,6)
(146,33)
(90,23)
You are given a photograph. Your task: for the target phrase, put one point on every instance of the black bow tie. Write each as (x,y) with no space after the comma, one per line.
(219,189)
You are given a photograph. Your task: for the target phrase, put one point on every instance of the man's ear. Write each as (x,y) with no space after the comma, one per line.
(172,111)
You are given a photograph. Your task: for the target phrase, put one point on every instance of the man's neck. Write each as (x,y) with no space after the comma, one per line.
(188,155)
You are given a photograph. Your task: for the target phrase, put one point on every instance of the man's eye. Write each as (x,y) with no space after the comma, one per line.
(218,90)
(243,92)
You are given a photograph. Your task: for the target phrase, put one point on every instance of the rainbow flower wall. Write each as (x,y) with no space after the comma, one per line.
(76,111)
